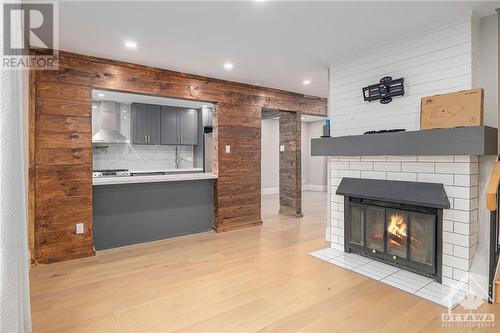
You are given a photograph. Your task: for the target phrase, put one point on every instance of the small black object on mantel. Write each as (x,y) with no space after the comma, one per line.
(385,131)
(385,90)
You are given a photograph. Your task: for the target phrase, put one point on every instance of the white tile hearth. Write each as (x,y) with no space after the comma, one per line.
(412,283)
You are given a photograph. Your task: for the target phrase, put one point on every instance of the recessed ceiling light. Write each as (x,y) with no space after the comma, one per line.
(130,44)
(100,94)
(306,82)
(228,66)
(94,106)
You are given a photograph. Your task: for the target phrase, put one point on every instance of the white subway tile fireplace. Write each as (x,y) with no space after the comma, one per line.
(458,174)
(463,170)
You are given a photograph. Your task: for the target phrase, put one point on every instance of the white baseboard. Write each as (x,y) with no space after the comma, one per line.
(305,187)
(270,190)
(314,188)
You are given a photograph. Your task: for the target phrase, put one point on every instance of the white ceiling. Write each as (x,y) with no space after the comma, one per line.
(272,43)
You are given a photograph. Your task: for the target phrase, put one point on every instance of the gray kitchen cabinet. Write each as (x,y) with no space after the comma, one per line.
(179,126)
(146,127)
(154,124)
(188,126)
(169,128)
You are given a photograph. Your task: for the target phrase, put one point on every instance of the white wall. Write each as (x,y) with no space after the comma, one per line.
(313,168)
(488,69)
(317,164)
(305,155)
(437,61)
(488,79)
(270,156)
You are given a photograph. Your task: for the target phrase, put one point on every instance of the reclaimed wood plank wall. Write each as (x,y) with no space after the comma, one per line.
(62,156)
(290,164)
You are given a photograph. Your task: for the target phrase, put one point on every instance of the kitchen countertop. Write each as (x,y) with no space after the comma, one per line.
(152,178)
(193,170)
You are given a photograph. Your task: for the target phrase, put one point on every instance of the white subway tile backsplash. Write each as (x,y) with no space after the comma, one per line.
(374,158)
(387,166)
(465,158)
(337,231)
(402,176)
(349,158)
(447,225)
(456,168)
(456,215)
(335,181)
(465,204)
(466,180)
(456,239)
(447,271)
(340,165)
(435,158)
(373,174)
(350,173)
(454,284)
(141,158)
(448,248)
(461,228)
(456,262)
(458,192)
(435,178)
(462,251)
(417,167)
(337,215)
(361,165)
(460,275)
(402,158)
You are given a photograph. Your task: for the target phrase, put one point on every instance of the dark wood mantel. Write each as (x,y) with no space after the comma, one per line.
(61,148)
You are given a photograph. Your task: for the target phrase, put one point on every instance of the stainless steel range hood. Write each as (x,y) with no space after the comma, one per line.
(109,131)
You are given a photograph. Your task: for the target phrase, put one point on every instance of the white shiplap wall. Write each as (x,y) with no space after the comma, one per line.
(441,60)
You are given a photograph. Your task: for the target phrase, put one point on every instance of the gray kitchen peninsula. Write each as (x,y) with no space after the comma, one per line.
(138,209)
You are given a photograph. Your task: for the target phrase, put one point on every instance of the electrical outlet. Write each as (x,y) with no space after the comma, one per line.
(79,228)
(228,149)
(282,148)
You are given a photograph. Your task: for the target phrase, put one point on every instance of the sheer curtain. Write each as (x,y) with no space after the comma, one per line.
(14,259)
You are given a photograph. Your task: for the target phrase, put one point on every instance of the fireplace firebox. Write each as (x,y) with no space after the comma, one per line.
(399,223)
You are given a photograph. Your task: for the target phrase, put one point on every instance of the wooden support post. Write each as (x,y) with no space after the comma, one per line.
(290,164)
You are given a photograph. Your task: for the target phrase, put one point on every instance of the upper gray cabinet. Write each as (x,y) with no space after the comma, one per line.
(188,126)
(146,127)
(169,128)
(179,126)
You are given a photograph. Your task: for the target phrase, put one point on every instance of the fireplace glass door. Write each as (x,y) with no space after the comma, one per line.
(397,233)
(422,238)
(356,225)
(375,222)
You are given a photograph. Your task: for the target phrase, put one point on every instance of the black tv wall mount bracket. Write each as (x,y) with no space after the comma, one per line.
(385,90)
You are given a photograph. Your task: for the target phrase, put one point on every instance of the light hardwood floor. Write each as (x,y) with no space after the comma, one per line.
(241,281)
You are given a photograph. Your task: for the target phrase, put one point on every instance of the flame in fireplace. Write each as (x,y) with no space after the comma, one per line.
(397,226)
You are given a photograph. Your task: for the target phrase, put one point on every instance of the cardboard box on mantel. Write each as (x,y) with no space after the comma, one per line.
(458,109)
